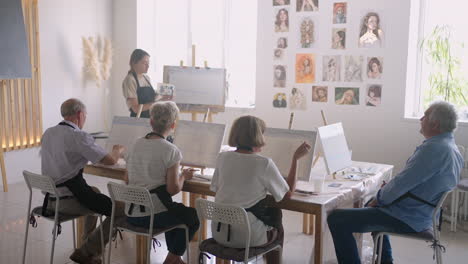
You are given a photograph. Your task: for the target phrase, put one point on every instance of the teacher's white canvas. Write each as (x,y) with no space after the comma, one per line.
(125,130)
(201,86)
(281,145)
(200,143)
(334,147)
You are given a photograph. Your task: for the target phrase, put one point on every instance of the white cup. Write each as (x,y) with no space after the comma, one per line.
(318,185)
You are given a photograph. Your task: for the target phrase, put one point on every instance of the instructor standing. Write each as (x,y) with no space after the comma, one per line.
(136,86)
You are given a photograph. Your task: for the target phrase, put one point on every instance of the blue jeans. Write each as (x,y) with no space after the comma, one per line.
(344,222)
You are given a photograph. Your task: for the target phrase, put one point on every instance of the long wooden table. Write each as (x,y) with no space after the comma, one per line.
(317,205)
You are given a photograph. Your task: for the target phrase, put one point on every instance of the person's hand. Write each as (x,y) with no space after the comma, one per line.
(188,173)
(301,151)
(383,184)
(372,203)
(118,149)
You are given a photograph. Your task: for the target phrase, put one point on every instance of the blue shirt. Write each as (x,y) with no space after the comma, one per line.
(433,169)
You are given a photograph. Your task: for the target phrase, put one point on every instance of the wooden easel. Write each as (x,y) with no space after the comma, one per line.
(2,168)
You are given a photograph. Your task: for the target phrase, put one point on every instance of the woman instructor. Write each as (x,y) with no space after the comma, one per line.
(136,86)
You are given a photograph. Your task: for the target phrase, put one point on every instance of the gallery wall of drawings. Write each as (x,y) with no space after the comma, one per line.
(321,54)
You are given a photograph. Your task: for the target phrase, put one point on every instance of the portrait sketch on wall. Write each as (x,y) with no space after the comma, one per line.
(371,34)
(278,54)
(353,68)
(346,96)
(282,43)
(374,67)
(297,99)
(305,68)
(279,100)
(279,76)
(280,2)
(374,95)
(339,13)
(307,5)
(282,20)
(320,94)
(306,29)
(331,68)
(338,38)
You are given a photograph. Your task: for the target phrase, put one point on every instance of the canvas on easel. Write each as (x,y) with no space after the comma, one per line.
(334,147)
(125,130)
(281,145)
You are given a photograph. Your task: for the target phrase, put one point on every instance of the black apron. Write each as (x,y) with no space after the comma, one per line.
(145,94)
(96,202)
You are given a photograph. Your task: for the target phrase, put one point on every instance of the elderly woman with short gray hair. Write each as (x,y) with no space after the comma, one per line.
(154,163)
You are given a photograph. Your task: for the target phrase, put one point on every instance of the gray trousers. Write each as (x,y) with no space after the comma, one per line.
(91,236)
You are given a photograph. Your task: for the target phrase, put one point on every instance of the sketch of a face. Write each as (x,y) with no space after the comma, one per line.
(375,67)
(278,73)
(282,44)
(372,23)
(321,93)
(339,10)
(283,16)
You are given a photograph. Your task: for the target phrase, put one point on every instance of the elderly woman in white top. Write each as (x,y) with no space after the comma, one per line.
(154,163)
(243,178)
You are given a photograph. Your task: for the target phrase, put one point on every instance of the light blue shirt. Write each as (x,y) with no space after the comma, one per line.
(433,169)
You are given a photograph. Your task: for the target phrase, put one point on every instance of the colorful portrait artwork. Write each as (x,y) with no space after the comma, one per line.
(339,13)
(320,94)
(346,96)
(353,68)
(307,5)
(282,20)
(280,2)
(371,34)
(279,76)
(374,67)
(338,38)
(306,29)
(305,68)
(279,100)
(374,95)
(297,99)
(331,68)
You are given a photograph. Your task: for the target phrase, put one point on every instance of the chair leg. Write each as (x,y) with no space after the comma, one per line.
(379,257)
(187,241)
(74,233)
(54,237)
(374,252)
(456,210)
(465,205)
(438,255)
(148,260)
(111,231)
(452,212)
(26,239)
(102,240)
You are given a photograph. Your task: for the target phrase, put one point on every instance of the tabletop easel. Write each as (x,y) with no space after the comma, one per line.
(2,168)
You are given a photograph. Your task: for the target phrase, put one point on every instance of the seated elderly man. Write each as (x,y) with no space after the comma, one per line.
(406,203)
(66,149)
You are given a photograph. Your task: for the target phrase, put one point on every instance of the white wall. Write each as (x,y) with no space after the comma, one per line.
(61,26)
(374,134)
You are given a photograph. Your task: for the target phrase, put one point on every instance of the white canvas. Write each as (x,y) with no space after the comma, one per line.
(334,147)
(125,130)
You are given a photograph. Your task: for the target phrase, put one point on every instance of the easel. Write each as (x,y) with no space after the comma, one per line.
(2,168)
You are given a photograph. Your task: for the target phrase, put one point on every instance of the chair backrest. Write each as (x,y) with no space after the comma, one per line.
(130,194)
(464,153)
(41,182)
(227,214)
(435,214)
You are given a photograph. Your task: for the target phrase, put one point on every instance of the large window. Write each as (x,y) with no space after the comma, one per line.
(438,56)
(224,33)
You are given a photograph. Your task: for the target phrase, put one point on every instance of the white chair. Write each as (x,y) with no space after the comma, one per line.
(137,196)
(46,184)
(460,190)
(231,215)
(432,236)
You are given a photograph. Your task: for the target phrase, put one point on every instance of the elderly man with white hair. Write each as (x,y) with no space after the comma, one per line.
(406,203)
(65,150)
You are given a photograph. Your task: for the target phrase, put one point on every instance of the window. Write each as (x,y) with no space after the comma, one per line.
(224,33)
(448,19)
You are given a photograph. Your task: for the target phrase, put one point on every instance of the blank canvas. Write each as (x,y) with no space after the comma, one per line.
(335,148)
(125,130)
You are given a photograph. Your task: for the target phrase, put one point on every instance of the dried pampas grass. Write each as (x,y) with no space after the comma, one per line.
(97,68)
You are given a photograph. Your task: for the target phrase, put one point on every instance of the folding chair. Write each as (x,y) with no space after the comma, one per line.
(432,236)
(231,215)
(46,184)
(137,196)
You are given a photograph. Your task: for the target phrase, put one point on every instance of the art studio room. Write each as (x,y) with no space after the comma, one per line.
(233,131)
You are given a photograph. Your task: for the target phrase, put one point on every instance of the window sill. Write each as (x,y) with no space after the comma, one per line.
(461,123)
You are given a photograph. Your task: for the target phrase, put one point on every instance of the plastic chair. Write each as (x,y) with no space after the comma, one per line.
(427,235)
(232,215)
(461,189)
(138,196)
(46,184)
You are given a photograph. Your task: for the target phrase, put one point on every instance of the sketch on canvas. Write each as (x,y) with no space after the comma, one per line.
(306,29)
(338,38)
(353,68)
(297,99)
(282,20)
(374,95)
(331,68)
(279,76)
(374,67)
(371,34)
(307,5)
(282,43)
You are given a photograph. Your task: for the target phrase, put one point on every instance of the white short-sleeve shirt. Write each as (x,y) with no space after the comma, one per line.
(243,180)
(147,164)
(65,150)
(129,86)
